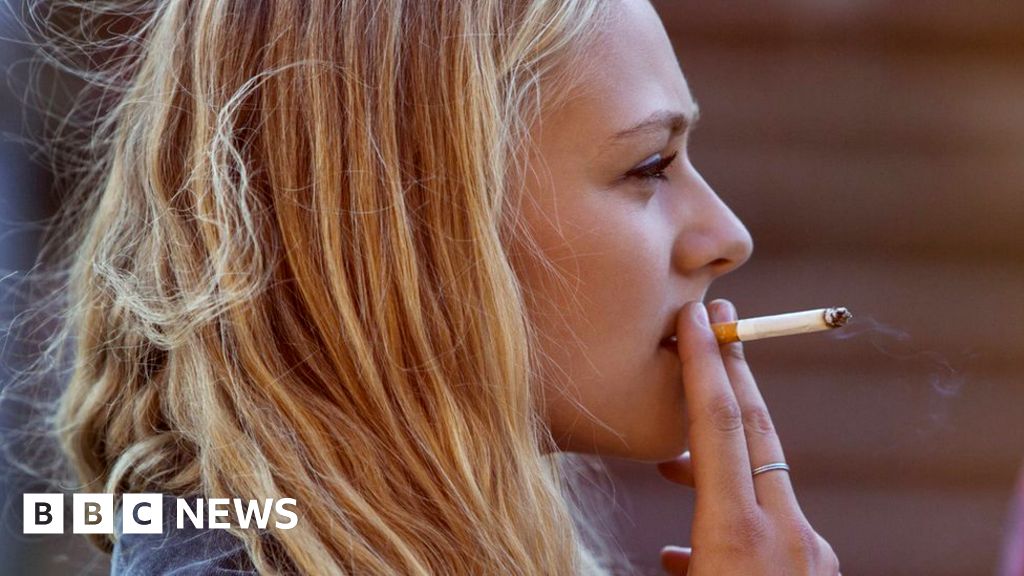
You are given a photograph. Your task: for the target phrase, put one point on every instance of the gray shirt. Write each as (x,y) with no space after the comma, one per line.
(185,552)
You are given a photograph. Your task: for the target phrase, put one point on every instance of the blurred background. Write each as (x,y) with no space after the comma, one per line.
(875,150)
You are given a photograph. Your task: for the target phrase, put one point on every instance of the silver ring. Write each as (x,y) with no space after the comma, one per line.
(772,466)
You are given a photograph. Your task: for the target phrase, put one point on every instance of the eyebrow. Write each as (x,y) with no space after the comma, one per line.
(674,121)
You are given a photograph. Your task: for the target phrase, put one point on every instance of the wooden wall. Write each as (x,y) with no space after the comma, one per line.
(875,150)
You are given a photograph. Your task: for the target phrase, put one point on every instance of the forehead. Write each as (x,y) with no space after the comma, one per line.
(629,73)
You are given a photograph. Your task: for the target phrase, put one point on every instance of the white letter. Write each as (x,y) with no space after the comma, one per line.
(142,514)
(197,518)
(215,513)
(43,513)
(93,514)
(253,510)
(279,507)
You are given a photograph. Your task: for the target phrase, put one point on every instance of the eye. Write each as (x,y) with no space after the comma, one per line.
(652,171)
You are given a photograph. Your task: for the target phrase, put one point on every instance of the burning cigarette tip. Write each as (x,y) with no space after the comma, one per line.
(836,317)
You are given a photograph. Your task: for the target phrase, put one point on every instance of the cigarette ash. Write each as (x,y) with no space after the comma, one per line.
(837,317)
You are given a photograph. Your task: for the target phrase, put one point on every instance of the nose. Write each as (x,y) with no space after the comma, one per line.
(712,238)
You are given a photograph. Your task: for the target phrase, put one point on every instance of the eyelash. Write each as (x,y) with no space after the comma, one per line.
(655,171)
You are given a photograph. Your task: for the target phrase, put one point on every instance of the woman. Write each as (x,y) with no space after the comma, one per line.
(394,260)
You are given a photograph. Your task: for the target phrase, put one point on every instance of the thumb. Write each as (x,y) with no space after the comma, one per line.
(676,560)
(679,470)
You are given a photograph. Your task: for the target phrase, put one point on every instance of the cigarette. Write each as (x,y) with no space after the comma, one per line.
(781,324)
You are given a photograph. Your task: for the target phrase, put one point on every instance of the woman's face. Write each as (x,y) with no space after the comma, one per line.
(630,250)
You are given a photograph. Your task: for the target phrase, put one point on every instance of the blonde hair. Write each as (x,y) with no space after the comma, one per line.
(288,276)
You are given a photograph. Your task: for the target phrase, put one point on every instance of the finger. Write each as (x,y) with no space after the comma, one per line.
(676,560)
(679,470)
(718,448)
(773,489)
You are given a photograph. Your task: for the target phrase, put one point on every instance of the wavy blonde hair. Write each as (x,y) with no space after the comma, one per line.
(288,274)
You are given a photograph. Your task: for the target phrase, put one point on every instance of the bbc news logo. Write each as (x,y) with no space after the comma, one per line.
(143,513)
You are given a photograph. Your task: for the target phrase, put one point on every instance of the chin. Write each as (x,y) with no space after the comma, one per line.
(660,448)
(641,444)
(659,443)
(660,453)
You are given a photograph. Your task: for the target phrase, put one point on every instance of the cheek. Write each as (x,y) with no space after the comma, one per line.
(624,283)
(604,340)
(614,284)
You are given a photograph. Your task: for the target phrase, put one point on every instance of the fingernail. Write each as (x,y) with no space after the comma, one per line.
(700,314)
(717,311)
(730,311)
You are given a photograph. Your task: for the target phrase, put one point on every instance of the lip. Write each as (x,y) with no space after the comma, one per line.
(670,321)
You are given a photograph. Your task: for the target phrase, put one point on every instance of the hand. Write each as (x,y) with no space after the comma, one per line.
(742,524)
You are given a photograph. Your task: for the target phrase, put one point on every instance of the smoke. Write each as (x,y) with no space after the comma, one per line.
(944,377)
(931,378)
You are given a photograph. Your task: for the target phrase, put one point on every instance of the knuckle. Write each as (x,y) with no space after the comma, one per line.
(748,532)
(734,351)
(724,414)
(803,542)
(696,347)
(758,421)
(753,529)
(828,555)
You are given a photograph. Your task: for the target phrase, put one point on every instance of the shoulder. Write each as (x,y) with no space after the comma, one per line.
(187,552)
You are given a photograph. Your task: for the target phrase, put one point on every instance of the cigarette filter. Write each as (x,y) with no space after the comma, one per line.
(781,324)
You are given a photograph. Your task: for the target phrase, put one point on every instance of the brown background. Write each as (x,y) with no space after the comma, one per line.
(875,150)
